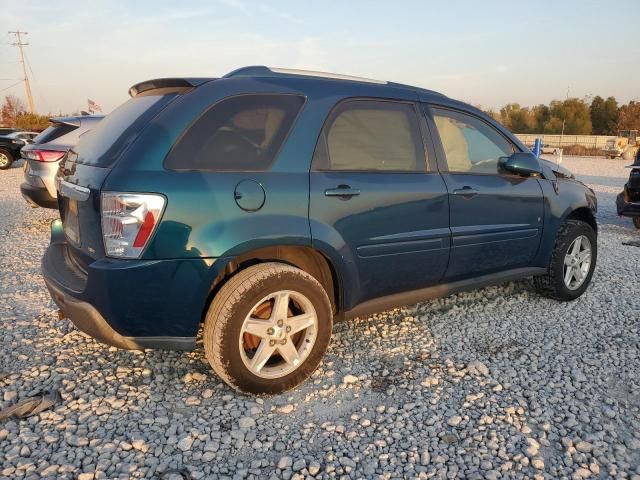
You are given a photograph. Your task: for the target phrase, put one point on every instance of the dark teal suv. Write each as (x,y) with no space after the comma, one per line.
(267,203)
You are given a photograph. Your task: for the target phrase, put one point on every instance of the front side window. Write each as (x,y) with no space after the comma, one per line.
(242,133)
(368,135)
(470,145)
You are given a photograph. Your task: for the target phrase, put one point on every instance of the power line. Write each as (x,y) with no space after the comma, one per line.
(11,86)
(18,43)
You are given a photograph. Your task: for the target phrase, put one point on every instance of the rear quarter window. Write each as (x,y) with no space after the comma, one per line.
(242,133)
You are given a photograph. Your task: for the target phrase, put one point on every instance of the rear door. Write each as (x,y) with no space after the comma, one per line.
(376,197)
(496,217)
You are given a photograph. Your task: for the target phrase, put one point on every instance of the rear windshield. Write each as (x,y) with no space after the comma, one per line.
(54,132)
(103,144)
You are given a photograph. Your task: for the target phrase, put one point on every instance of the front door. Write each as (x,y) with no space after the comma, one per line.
(496,217)
(374,199)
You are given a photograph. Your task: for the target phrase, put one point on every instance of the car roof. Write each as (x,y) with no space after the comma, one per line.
(262,71)
(289,75)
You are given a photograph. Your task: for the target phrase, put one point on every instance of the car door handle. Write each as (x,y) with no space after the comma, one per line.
(466,192)
(343,191)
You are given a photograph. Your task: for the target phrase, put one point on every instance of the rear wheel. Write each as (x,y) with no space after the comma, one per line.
(572,262)
(268,328)
(6,159)
(636,222)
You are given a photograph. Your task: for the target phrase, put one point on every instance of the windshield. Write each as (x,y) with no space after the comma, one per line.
(102,145)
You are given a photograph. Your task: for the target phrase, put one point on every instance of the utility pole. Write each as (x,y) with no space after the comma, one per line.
(18,43)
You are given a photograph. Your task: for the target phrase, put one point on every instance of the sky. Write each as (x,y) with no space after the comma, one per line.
(487,53)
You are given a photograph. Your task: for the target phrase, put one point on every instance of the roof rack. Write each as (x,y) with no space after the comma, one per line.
(260,70)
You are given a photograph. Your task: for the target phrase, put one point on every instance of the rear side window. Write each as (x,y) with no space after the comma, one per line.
(54,132)
(242,133)
(369,135)
(109,137)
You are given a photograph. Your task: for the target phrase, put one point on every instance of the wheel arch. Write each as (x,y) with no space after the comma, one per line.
(308,259)
(584,214)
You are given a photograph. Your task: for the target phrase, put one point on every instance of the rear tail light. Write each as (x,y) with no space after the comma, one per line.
(128,221)
(43,155)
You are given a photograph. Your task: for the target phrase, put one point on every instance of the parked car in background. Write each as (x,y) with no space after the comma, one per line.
(549,150)
(269,202)
(612,149)
(26,137)
(7,130)
(628,201)
(10,145)
(43,156)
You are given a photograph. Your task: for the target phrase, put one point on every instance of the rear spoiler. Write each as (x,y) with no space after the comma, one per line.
(73,121)
(175,84)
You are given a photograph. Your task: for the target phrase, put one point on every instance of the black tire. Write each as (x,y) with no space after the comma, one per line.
(227,312)
(636,222)
(552,283)
(5,163)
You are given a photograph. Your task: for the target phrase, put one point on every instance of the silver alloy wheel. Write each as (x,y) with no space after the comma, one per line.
(275,346)
(577,262)
(4,159)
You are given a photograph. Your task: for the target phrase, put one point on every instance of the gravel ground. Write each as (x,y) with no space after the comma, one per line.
(494,383)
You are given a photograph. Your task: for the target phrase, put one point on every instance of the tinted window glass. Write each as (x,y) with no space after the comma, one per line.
(470,145)
(108,138)
(239,133)
(53,132)
(373,136)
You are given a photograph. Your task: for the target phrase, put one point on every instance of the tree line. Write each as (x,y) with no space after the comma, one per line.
(13,113)
(600,117)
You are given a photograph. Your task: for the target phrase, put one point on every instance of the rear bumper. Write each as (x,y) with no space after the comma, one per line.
(625,207)
(38,196)
(42,175)
(131,304)
(88,320)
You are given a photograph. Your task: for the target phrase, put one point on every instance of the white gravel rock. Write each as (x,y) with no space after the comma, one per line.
(476,367)
(285,462)
(454,421)
(350,379)
(185,444)
(246,422)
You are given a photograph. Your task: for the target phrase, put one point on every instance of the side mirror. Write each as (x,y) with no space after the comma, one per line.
(521,163)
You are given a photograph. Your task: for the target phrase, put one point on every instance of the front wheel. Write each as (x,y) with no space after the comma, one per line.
(572,262)
(636,222)
(268,328)
(6,159)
